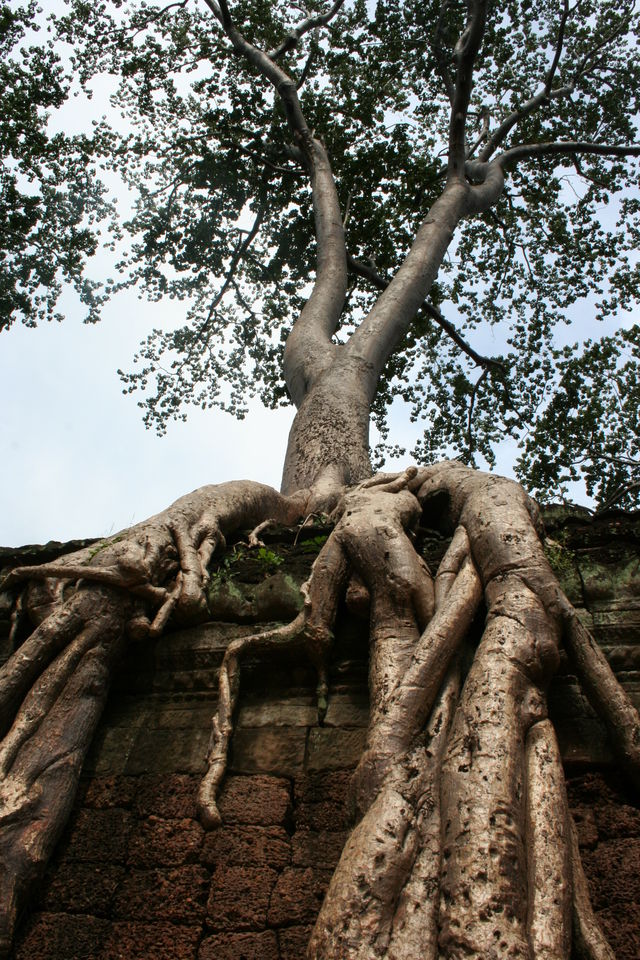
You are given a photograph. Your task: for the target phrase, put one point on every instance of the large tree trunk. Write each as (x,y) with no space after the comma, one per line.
(328,447)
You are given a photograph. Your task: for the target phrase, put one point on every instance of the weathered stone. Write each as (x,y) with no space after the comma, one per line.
(347,711)
(189,714)
(321,801)
(321,849)
(264,750)
(82,888)
(293,942)
(240,946)
(110,751)
(584,741)
(131,940)
(612,870)
(239,897)
(178,895)
(585,821)
(258,846)
(331,749)
(163,751)
(171,796)
(53,936)
(278,712)
(618,820)
(297,896)
(621,927)
(99,835)
(103,793)
(190,682)
(260,800)
(278,598)
(159,842)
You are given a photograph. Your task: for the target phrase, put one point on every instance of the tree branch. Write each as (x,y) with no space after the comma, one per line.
(368,273)
(437,48)
(311,23)
(539,100)
(465,53)
(378,335)
(558,51)
(622,28)
(309,350)
(529,151)
(507,125)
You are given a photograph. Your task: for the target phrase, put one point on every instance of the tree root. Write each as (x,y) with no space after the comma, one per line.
(287,638)
(54,686)
(464,845)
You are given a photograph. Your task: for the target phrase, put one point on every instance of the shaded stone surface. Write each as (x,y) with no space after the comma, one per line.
(239,897)
(241,946)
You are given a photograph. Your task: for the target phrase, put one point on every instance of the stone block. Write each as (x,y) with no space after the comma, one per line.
(240,946)
(259,846)
(586,826)
(612,870)
(99,835)
(103,793)
(82,888)
(110,751)
(618,820)
(330,785)
(157,842)
(135,940)
(265,750)
(53,936)
(239,897)
(163,751)
(293,942)
(297,896)
(178,895)
(171,796)
(347,711)
(321,801)
(319,849)
(278,713)
(260,800)
(189,714)
(621,927)
(584,741)
(331,749)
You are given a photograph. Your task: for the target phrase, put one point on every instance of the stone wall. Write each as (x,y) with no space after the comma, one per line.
(136,876)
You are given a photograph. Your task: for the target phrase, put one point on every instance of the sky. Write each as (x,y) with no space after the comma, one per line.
(76,458)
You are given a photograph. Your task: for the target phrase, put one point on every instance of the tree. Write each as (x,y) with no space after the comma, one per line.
(434,145)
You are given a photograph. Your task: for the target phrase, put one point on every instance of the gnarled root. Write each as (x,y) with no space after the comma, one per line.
(54,687)
(464,846)
(463,850)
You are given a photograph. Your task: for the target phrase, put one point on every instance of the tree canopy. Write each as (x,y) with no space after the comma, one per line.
(223,217)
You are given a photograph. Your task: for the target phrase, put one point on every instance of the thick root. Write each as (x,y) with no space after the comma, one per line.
(54,687)
(374,905)
(548,844)
(463,848)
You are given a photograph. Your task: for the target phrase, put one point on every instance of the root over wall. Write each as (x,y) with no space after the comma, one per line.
(136,875)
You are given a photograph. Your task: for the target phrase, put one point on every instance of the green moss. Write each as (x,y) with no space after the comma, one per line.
(561,559)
